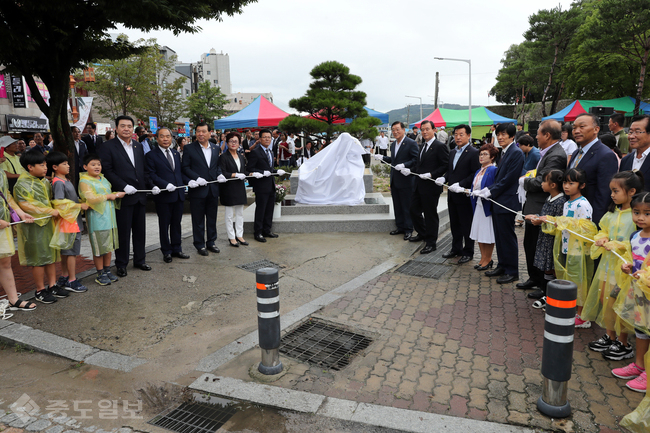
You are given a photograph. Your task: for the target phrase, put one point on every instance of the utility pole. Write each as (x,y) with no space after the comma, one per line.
(435,99)
(408,114)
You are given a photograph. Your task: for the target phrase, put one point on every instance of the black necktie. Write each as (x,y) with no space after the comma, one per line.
(270,156)
(170,159)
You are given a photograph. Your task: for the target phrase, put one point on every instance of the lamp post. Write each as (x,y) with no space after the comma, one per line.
(417,97)
(469,62)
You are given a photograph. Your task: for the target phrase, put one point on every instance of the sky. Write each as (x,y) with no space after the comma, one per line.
(391,45)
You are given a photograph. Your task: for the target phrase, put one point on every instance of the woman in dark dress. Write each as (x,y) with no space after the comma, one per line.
(233,192)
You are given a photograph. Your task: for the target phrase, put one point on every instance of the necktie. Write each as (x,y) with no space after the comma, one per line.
(580,153)
(269,156)
(170,159)
(424,150)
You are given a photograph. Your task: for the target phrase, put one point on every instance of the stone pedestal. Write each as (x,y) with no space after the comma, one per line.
(367,181)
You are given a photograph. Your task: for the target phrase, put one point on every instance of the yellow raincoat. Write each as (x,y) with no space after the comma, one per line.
(576,265)
(102,226)
(66,227)
(33,195)
(616,227)
(639,420)
(7,248)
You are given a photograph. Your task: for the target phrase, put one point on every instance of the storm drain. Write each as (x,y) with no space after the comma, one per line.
(254,266)
(205,414)
(323,344)
(423,269)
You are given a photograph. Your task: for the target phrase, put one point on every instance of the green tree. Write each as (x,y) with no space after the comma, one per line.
(331,97)
(206,104)
(52,39)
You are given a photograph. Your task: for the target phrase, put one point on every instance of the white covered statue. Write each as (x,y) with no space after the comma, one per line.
(334,176)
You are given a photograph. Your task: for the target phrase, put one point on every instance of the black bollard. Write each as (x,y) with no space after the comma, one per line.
(268,320)
(557,356)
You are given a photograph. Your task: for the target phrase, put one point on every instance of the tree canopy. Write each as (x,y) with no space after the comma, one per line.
(206,104)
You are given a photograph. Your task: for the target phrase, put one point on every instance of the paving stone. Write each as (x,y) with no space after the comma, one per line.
(22,422)
(55,429)
(38,425)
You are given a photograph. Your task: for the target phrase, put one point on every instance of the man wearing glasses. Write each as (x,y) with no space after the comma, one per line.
(639,148)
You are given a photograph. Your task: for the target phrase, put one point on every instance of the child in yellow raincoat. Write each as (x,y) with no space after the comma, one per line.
(614,235)
(95,191)
(33,193)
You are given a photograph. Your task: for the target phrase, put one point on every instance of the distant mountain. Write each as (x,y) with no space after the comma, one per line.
(402,114)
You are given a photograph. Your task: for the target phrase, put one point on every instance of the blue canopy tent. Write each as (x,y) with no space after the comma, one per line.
(579,106)
(260,113)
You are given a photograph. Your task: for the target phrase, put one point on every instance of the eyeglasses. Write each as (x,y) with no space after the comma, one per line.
(636,132)
(234,141)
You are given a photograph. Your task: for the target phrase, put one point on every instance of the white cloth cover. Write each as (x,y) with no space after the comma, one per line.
(334,176)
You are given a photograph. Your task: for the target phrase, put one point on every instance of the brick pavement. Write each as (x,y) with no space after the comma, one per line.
(463,346)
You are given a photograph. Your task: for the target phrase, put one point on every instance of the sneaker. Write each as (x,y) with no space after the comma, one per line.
(102,279)
(639,384)
(617,351)
(602,344)
(628,372)
(540,303)
(110,275)
(76,286)
(45,296)
(582,323)
(62,282)
(59,292)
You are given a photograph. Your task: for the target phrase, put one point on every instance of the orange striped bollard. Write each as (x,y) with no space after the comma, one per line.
(268,320)
(557,355)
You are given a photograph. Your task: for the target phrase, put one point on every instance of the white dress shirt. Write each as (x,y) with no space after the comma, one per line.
(128,147)
(638,162)
(207,153)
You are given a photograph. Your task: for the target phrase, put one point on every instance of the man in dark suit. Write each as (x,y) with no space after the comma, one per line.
(248,141)
(92,140)
(639,138)
(403,154)
(79,154)
(201,165)
(124,167)
(553,157)
(463,164)
(260,166)
(597,160)
(165,169)
(432,163)
(276,146)
(504,192)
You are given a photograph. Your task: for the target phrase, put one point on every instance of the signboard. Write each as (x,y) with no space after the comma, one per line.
(3,88)
(153,124)
(188,132)
(25,124)
(18,92)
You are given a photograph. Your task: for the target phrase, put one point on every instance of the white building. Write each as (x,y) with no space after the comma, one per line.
(238,101)
(215,69)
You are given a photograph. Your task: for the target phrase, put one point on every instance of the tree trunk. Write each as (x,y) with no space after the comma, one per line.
(557,98)
(639,88)
(550,80)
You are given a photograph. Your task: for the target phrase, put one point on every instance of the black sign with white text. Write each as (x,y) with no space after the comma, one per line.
(18,92)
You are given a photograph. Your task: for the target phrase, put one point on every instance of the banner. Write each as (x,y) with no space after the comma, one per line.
(188,131)
(84,104)
(3,89)
(18,91)
(153,124)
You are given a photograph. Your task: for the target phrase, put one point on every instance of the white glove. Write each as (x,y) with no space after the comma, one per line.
(440,181)
(425,176)
(485,193)
(201,181)
(281,172)
(405,171)
(455,188)
(155,190)
(130,190)
(240,176)
(257,175)
(221,178)
(193,184)
(266,173)
(399,167)
(475,193)
(170,187)
(521,181)
(378,157)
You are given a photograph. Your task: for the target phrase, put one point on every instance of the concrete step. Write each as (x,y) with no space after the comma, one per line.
(375,203)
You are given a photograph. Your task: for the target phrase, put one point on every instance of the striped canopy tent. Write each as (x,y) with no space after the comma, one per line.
(383,117)
(260,113)
(481,116)
(579,106)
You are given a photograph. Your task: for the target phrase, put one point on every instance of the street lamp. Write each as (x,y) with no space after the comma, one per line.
(417,97)
(469,62)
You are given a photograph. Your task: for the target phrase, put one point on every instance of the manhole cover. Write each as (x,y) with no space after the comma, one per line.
(204,414)
(324,344)
(254,266)
(423,269)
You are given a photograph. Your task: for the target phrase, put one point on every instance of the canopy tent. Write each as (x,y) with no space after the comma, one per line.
(383,117)
(579,106)
(260,113)
(481,116)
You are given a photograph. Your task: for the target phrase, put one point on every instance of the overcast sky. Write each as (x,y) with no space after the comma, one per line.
(274,44)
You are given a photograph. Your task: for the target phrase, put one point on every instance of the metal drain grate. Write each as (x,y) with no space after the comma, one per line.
(254,266)
(205,416)
(326,345)
(423,269)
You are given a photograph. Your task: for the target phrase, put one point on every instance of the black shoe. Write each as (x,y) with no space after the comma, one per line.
(618,352)
(121,272)
(482,268)
(44,296)
(233,245)
(602,344)
(59,292)
(505,279)
(214,249)
(143,267)
(496,272)
(418,238)
(464,259)
(397,232)
(528,284)
(203,252)
(428,249)
(242,242)
(270,235)
(407,236)
(450,255)
(167,258)
(260,238)
(478,265)
(181,255)
(537,294)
